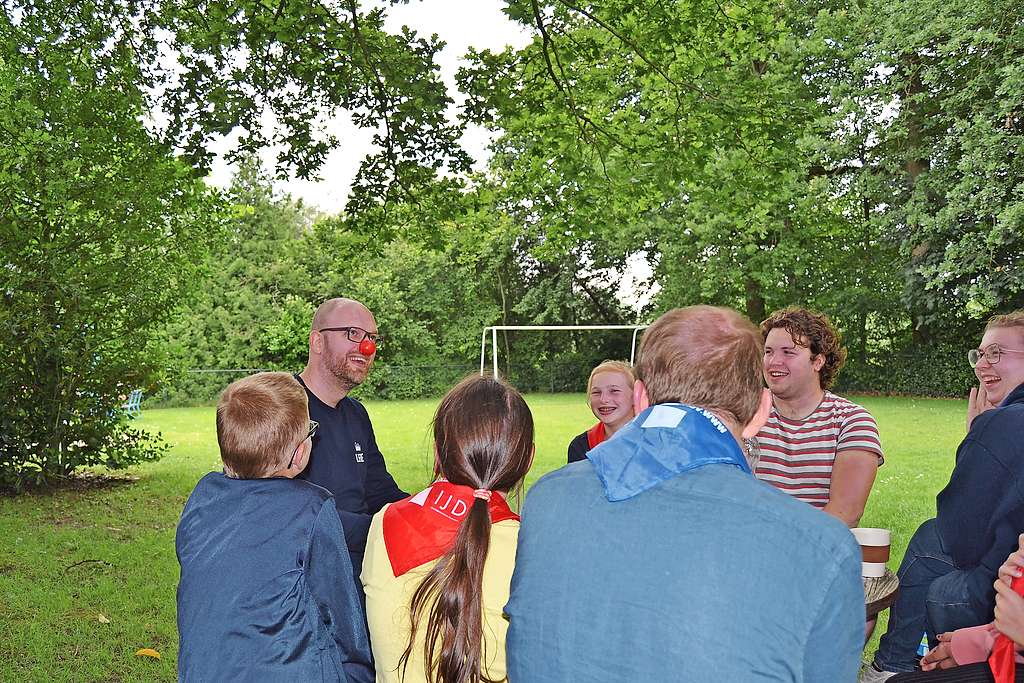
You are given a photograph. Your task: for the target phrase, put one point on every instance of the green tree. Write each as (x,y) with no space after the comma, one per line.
(686,133)
(936,91)
(214,67)
(447,270)
(101,231)
(257,291)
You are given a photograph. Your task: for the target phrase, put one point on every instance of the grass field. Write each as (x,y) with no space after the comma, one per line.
(88,575)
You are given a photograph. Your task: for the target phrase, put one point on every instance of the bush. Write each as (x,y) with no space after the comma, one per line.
(91,432)
(937,370)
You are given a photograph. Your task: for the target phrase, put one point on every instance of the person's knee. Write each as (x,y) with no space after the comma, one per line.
(949,606)
(926,538)
(923,544)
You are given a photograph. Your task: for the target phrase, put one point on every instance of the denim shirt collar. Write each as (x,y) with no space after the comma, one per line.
(660,443)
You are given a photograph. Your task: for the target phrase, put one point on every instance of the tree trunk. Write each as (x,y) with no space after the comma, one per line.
(915,163)
(755,303)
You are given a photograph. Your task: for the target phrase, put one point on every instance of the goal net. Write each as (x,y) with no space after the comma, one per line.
(494,329)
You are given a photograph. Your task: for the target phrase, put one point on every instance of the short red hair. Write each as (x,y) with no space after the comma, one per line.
(705,356)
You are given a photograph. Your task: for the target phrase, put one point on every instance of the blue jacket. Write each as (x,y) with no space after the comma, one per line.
(656,560)
(266,590)
(980,513)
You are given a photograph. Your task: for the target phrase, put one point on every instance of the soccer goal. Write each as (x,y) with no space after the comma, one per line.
(494,329)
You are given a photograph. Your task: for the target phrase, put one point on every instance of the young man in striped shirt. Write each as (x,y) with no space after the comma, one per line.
(816,446)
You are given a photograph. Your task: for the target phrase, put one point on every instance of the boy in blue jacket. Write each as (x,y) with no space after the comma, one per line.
(266,589)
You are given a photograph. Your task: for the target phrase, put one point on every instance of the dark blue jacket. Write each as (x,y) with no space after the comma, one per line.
(981,511)
(347,462)
(578,448)
(266,590)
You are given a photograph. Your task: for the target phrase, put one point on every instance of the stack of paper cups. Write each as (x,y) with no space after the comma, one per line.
(874,549)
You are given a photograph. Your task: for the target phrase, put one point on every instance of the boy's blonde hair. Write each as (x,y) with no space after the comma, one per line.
(1011,319)
(260,420)
(611,366)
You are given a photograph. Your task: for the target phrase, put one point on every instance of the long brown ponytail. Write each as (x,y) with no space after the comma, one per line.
(483,435)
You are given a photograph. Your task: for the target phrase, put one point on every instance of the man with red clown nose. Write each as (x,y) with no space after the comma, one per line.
(345,459)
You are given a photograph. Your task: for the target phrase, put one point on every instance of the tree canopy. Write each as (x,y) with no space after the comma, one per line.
(861,159)
(101,232)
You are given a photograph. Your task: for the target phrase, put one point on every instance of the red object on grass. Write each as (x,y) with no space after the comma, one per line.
(367,347)
(1002,661)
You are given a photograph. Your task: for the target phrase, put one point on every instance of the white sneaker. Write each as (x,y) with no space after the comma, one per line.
(872,674)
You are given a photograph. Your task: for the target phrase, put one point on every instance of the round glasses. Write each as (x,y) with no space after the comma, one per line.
(991,354)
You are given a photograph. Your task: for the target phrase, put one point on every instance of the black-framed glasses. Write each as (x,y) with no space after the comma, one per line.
(355,334)
(313,424)
(991,354)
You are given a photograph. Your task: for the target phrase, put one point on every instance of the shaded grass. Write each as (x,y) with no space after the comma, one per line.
(73,555)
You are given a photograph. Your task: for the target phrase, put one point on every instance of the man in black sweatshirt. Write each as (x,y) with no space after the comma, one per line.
(345,459)
(947,574)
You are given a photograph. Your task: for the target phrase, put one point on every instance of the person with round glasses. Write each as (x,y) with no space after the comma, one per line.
(999,366)
(948,571)
(265,590)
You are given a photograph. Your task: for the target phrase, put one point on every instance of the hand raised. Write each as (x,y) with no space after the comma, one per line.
(1009,613)
(1014,565)
(977,403)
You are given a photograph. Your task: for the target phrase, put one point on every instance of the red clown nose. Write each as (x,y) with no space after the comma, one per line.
(367,347)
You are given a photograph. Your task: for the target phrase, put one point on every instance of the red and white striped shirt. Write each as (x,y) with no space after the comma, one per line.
(797,455)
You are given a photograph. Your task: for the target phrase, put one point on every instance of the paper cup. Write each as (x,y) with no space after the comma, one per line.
(874,549)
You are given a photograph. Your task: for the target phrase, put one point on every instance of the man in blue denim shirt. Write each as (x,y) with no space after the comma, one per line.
(660,557)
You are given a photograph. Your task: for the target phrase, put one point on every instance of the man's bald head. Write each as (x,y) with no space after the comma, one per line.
(336,365)
(333,309)
(705,356)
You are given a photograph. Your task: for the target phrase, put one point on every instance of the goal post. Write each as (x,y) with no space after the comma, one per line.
(494,329)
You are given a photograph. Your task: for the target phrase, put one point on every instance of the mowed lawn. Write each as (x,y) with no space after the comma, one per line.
(88,576)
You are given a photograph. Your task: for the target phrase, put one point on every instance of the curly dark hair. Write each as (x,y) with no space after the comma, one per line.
(813,330)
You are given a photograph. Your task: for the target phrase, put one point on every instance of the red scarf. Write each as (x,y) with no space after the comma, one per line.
(1002,661)
(423,527)
(595,435)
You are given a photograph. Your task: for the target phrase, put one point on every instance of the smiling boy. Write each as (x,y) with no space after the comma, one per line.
(610,397)
(816,446)
(951,563)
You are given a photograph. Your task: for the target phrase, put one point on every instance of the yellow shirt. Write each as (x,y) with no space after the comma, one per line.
(388,598)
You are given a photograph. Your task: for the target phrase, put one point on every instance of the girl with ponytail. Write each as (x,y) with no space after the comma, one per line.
(438,564)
